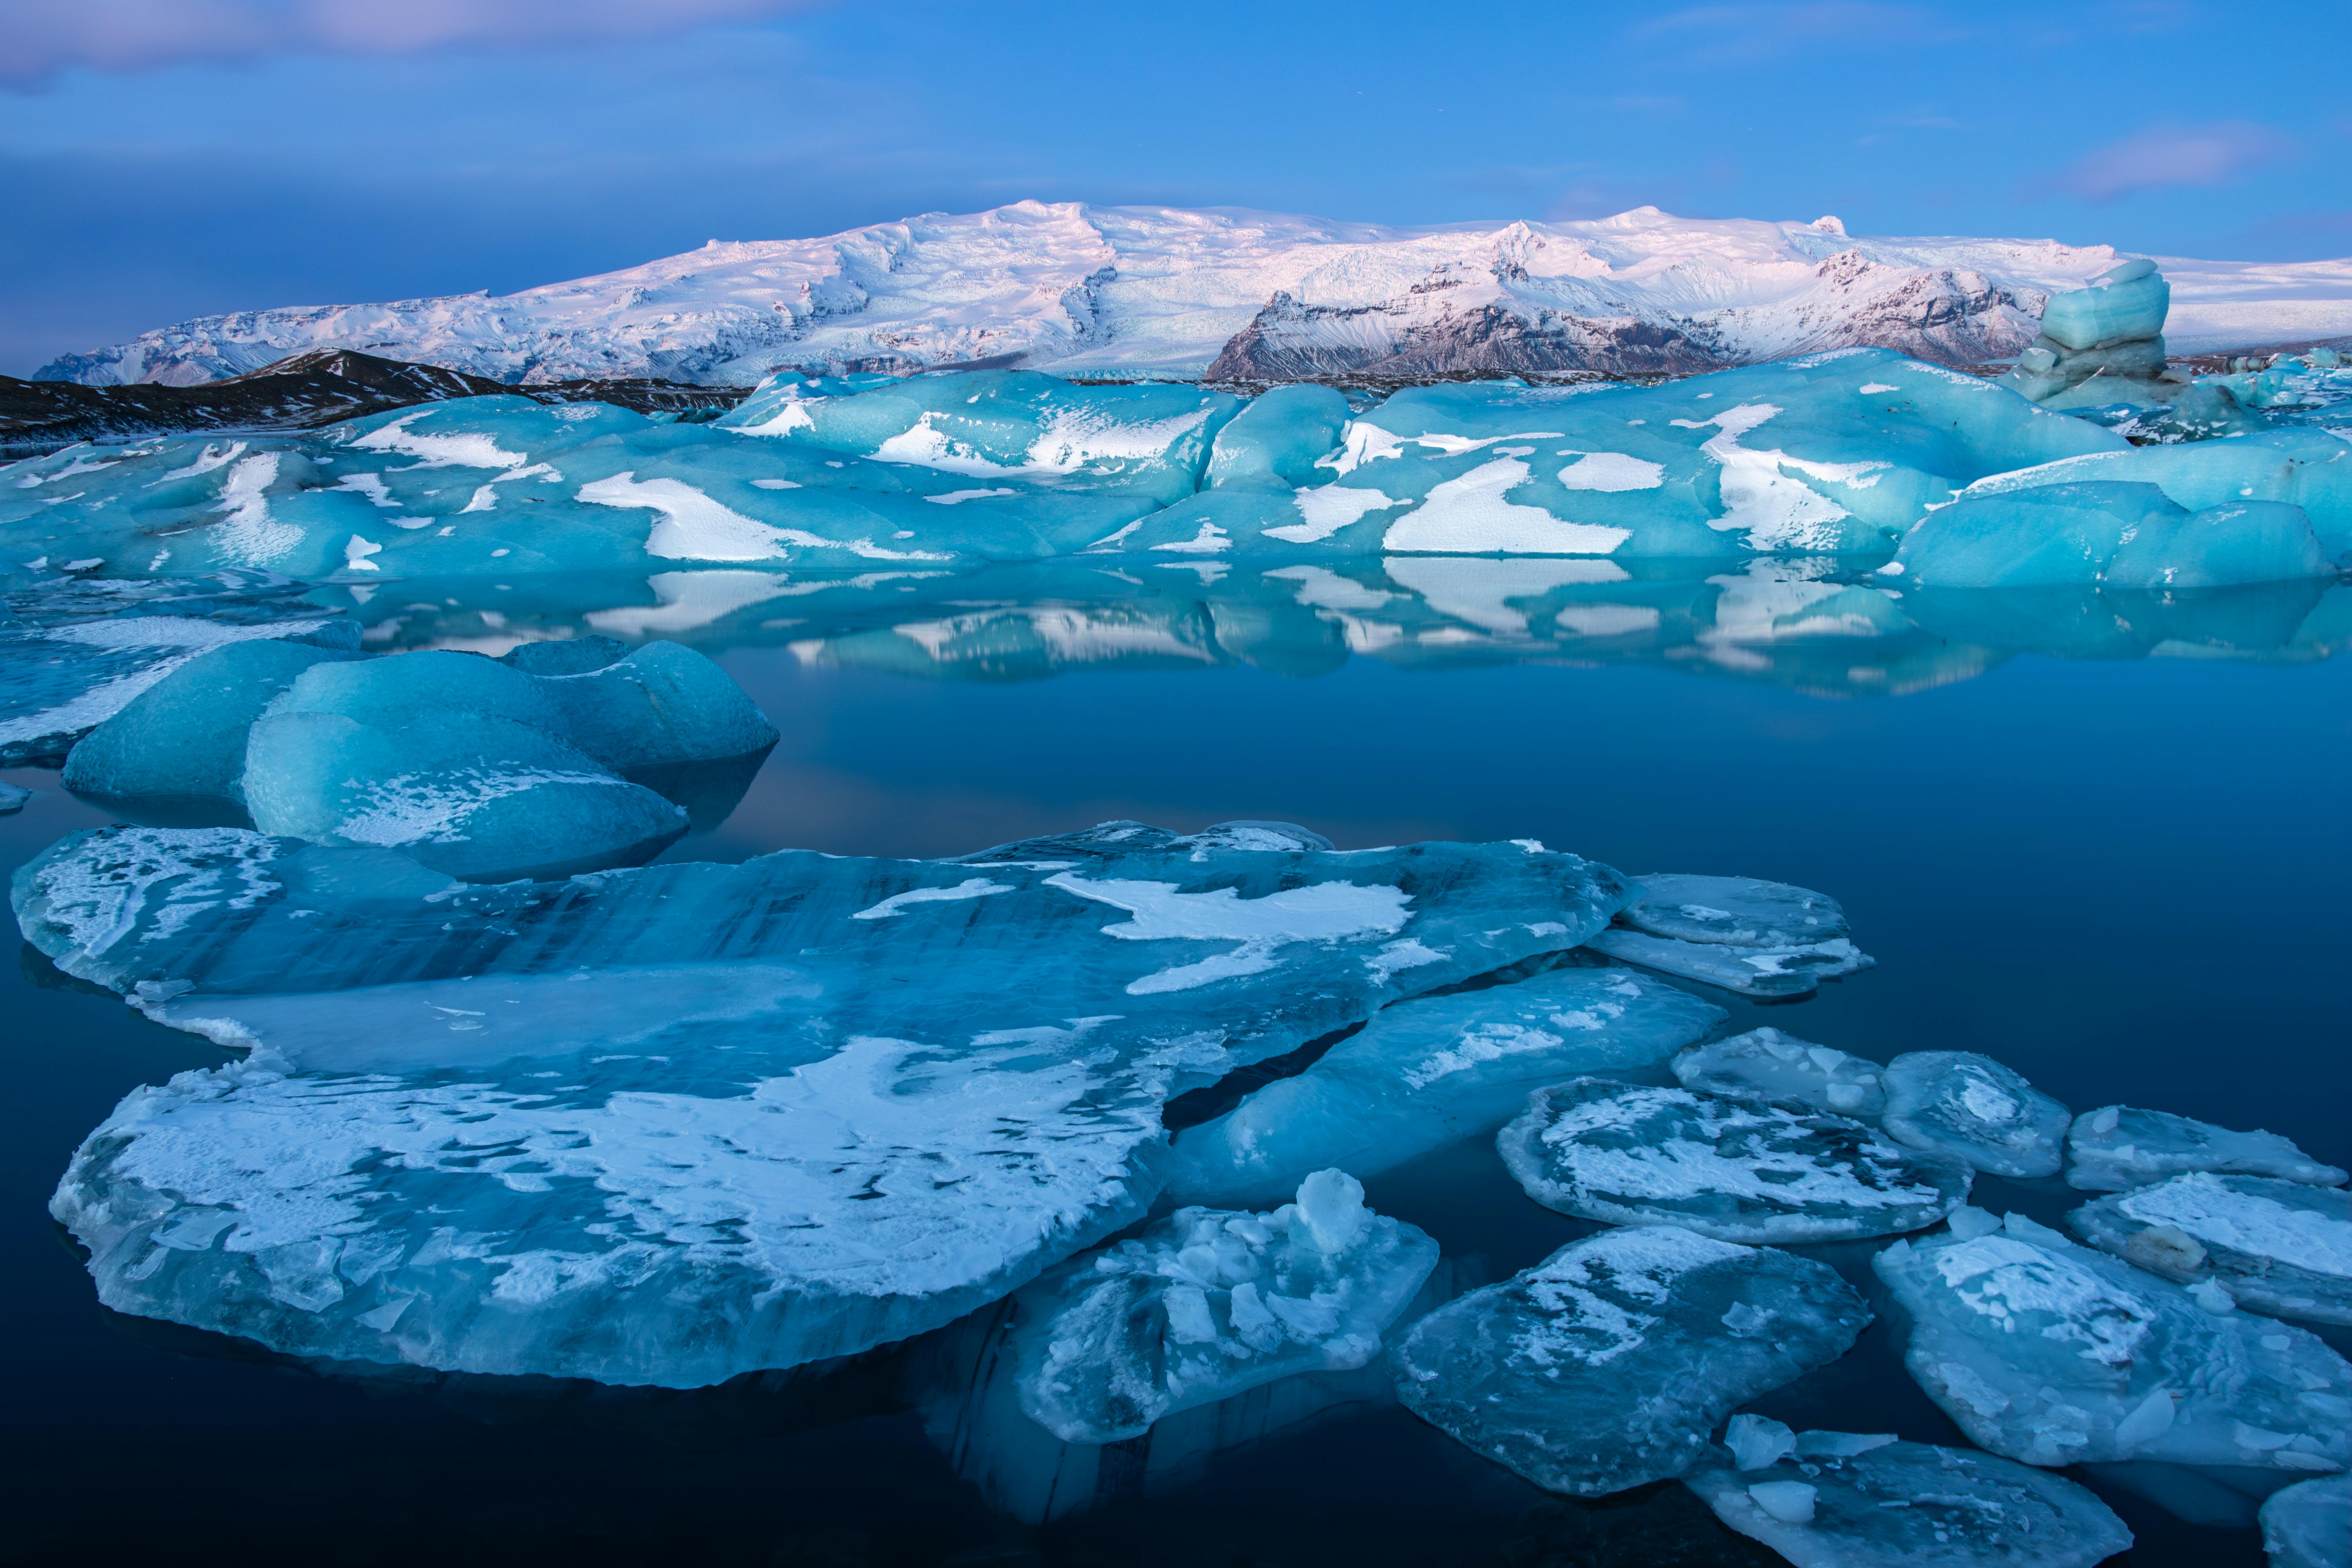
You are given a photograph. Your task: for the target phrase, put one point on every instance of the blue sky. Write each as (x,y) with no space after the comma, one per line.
(160,159)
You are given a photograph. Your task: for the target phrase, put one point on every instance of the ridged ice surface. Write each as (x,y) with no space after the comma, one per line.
(2055,1354)
(2281,1247)
(1608,1364)
(1423,1074)
(1632,1154)
(667,1125)
(1908,1505)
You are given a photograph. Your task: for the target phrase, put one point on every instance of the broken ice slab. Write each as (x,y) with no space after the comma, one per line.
(2280,1247)
(2120,1146)
(2055,1354)
(1772,973)
(2309,1524)
(666,1125)
(1207,1303)
(1768,1067)
(1736,911)
(1974,1110)
(74,653)
(1628,1155)
(1839,1500)
(1426,1074)
(1608,1363)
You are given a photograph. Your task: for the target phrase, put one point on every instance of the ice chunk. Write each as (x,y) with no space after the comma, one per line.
(1758,1441)
(2281,1247)
(1632,1155)
(2131,535)
(1207,1303)
(662,1126)
(2126,303)
(2221,546)
(1426,1074)
(1608,1363)
(1736,911)
(12,798)
(1768,1066)
(2309,1524)
(1767,972)
(1974,1110)
(2100,344)
(2053,1354)
(1897,1505)
(1275,441)
(2119,1146)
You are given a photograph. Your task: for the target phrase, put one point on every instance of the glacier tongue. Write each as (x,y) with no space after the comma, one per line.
(666,1125)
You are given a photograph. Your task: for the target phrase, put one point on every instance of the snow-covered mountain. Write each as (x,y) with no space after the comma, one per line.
(1164,291)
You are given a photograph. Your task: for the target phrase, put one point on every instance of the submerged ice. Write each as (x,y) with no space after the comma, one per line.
(662,1126)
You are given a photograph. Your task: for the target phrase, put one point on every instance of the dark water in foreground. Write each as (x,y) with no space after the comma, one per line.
(2126,880)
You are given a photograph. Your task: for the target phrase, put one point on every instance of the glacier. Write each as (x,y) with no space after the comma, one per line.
(1175,292)
(1633,1154)
(2276,1247)
(1841,1500)
(664,1125)
(2055,1355)
(1608,1364)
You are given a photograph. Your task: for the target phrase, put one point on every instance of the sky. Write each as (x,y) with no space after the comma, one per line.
(164,159)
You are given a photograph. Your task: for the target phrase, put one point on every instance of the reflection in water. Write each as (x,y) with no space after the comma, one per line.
(1806,624)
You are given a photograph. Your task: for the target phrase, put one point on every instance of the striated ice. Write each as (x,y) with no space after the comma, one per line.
(1872,1503)
(1771,1067)
(1632,1155)
(1974,1110)
(667,1125)
(1608,1364)
(1426,1074)
(2055,1354)
(2120,1146)
(1207,1303)
(2281,1247)
(2309,1524)
(1274,442)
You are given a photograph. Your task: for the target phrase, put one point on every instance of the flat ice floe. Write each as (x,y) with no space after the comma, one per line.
(1769,1068)
(1839,1500)
(1974,1110)
(664,1126)
(1762,939)
(1608,1364)
(2280,1247)
(1628,1155)
(2120,1146)
(1208,1303)
(1426,1074)
(2055,1354)
(2309,1524)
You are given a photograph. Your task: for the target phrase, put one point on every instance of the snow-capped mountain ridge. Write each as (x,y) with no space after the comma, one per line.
(1165,291)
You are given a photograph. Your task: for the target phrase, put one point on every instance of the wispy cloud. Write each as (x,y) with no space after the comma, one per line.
(1746,32)
(41,37)
(2173,155)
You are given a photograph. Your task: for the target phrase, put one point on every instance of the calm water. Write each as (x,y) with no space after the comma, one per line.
(2125,878)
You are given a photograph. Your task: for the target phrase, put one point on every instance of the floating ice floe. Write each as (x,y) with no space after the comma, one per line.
(1608,1363)
(1837,1499)
(1769,1068)
(2309,1524)
(2280,1247)
(1762,939)
(667,1125)
(1628,1155)
(1974,1110)
(1207,1303)
(12,798)
(1426,1074)
(2055,1354)
(2120,1146)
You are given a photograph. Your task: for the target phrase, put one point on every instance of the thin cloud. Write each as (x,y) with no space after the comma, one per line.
(2171,155)
(40,37)
(1735,33)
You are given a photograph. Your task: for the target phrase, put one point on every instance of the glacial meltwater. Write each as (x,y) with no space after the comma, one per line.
(2095,836)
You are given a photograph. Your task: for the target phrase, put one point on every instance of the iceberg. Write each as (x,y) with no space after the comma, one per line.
(2280,1247)
(1839,1500)
(2120,1146)
(667,1125)
(1207,1304)
(1276,440)
(1768,1067)
(2122,534)
(1426,1074)
(1974,1110)
(2309,1524)
(1608,1363)
(1626,1155)
(2055,1354)
(2101,344)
